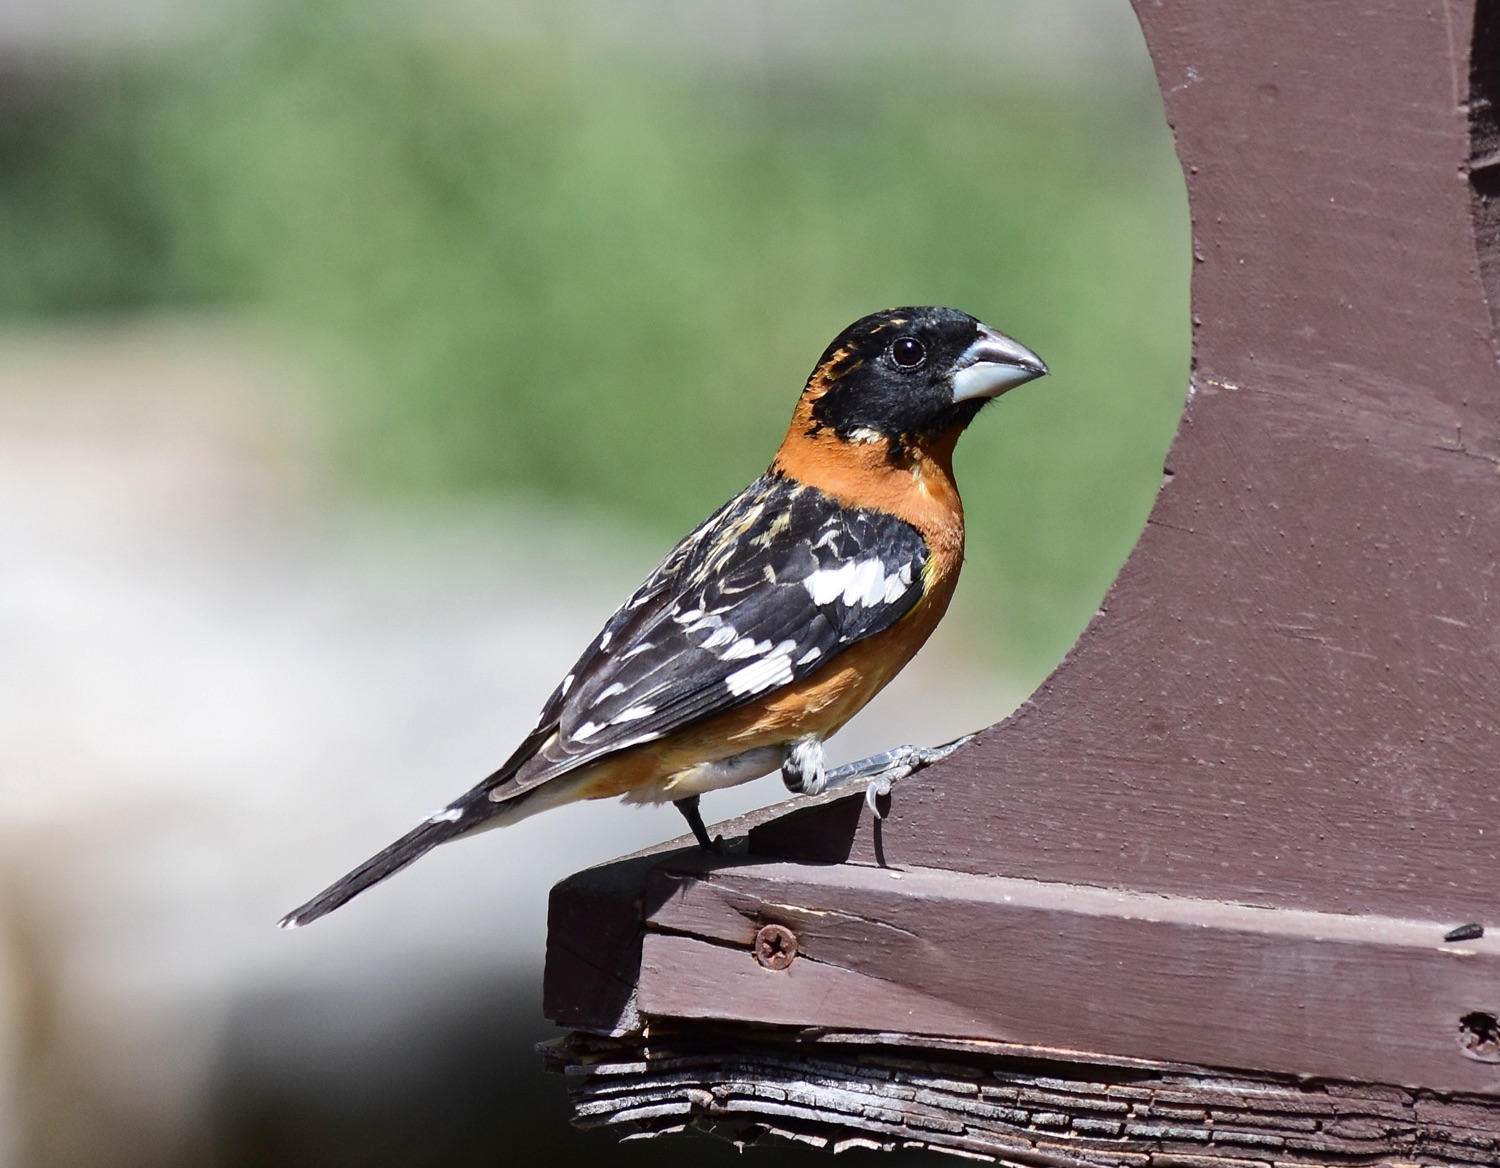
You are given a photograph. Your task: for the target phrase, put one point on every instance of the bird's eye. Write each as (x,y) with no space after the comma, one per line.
(908,352)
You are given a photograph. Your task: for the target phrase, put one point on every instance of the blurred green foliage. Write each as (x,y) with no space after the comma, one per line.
(604,274)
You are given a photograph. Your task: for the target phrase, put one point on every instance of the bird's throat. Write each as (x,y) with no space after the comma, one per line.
(916,484)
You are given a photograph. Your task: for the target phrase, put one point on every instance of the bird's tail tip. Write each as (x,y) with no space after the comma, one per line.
(439,828)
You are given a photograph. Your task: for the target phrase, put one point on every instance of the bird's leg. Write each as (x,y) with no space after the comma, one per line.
(883,770)
(802,767)
(690,812)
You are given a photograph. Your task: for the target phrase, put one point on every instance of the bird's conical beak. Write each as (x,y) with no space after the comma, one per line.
(993,364)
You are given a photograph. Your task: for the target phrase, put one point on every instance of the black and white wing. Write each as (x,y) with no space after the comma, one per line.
(765,592)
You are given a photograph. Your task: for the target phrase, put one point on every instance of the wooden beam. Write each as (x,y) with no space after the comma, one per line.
(1074,968)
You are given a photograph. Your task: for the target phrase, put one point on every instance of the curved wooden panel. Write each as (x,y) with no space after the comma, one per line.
(1291,695)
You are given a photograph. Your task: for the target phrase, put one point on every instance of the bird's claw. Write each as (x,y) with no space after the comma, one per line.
(888,768)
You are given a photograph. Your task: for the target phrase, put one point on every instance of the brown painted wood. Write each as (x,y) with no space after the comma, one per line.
(1292,696)
(594,947)
(1277,742)
(1073,968)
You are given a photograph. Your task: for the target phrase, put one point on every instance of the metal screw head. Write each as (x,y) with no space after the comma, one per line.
(775,946)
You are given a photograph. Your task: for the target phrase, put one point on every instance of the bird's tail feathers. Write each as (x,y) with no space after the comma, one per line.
(483,806)
(463,815)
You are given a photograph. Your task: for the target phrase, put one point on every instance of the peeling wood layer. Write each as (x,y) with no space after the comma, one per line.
(893,1091)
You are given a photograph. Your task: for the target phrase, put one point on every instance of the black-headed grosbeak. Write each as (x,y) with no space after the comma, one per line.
(772,624)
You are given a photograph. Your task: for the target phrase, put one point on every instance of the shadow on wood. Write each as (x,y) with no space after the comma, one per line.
(1191,899)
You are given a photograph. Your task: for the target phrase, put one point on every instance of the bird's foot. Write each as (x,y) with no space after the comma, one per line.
(886,769)
(694,817)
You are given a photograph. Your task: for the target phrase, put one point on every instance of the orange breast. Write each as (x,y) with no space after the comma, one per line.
(917,487)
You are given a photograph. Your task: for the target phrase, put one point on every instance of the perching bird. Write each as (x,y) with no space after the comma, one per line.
(789,608)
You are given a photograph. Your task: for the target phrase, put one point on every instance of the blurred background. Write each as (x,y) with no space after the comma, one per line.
(356,359)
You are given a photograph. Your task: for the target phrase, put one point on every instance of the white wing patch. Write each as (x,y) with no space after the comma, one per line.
(722,636)
(745,647)
(863,582)
(772,670)
(634,714)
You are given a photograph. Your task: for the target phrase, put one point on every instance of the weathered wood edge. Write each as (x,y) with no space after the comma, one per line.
(750,1083)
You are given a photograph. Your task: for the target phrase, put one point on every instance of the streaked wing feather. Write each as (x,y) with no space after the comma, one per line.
(765,592)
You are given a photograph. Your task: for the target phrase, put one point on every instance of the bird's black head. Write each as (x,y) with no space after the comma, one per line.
(907,374)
